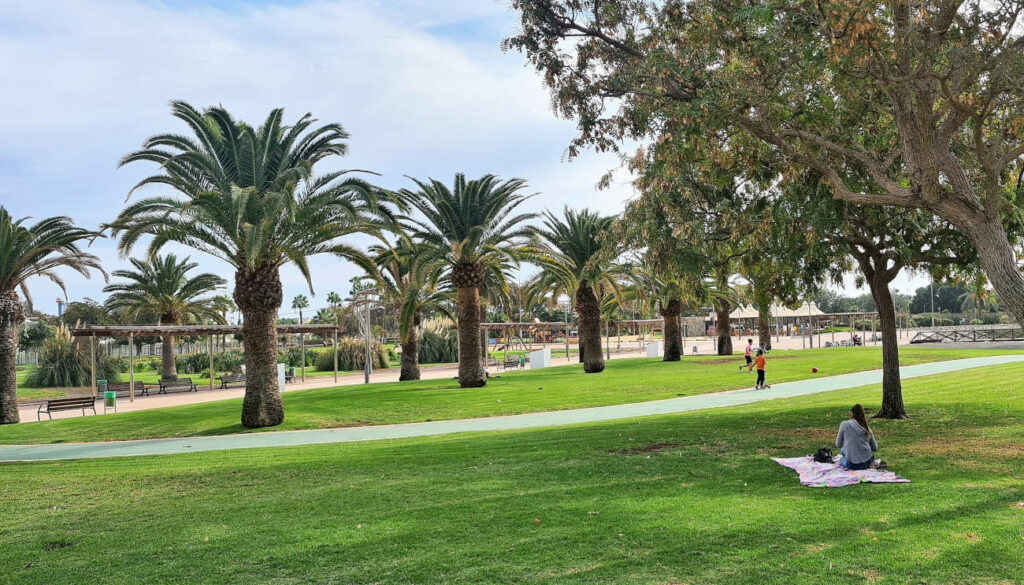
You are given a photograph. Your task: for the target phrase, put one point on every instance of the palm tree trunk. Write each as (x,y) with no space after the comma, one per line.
(258,295)
(673,332)
(589,310)
(12,315)
(168,365)
(411,353)
(471,372)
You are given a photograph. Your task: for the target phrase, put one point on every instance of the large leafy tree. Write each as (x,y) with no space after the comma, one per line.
(910,104)
(411,287)
(28,250)
(248,196)
(883,242)
(470,228)
(578,255)
(161,288)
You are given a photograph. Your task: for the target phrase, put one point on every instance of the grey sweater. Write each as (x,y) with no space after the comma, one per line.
(854,442)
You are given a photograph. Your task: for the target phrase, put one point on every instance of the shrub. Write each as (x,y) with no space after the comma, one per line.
(292,357)
(198,363)
(439,345)
(351,356)
(64,362)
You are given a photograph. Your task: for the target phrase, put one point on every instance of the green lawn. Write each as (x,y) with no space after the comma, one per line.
(624,380)
(581,504)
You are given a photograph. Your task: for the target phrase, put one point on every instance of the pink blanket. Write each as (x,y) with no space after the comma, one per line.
(814,474)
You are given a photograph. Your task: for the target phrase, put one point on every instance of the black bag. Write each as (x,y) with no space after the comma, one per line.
(824,455)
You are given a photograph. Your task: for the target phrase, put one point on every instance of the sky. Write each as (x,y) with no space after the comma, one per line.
(422,86)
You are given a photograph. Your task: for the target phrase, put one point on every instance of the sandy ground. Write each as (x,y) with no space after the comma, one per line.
(629,349)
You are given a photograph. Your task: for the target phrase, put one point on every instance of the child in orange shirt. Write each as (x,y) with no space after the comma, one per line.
(759,363)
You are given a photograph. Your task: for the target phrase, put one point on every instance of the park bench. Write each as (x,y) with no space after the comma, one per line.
(58,404)
(179,384)
(232,380)
(122,388)
(511,362)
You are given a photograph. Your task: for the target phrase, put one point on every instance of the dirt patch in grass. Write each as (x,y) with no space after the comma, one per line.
(652,448)
(968,448)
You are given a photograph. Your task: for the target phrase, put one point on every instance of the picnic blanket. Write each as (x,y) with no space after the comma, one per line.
(814,474)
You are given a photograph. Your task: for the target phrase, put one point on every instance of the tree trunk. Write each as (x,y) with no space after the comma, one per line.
(168,365)
(258,295)
(411,352)
(673,332)
(999,260)
(764,325)
(589,310)
(892,386)
(12,315)
(471,372)
(723,325)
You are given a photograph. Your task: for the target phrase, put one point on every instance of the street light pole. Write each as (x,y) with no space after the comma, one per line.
(931,286)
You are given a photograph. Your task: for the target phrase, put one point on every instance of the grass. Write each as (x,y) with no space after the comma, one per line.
(624,380)
(581,504)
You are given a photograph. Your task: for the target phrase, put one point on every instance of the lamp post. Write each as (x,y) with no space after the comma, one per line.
(931,287)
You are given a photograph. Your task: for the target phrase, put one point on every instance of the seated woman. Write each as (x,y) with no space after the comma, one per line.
(855,440)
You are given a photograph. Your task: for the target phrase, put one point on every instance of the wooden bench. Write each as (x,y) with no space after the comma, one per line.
(179,384)
(58,404)
(233,379)
(510,363)
(122,388)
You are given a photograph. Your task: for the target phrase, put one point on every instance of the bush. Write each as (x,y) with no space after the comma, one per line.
(64,363)
(351,356)
(439,346)
(198,363)
(292,357)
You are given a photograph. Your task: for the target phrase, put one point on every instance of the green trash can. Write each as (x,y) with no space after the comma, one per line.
(110,400)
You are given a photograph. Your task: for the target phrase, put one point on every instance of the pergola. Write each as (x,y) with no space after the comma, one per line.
(208,331)
(555,326)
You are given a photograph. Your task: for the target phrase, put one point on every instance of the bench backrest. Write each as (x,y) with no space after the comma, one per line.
(75,402)
(123,385)
(178,382)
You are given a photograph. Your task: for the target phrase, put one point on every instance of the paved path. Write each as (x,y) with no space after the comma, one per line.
(497,423)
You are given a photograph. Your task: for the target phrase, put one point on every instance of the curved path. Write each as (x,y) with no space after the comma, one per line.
(497,423)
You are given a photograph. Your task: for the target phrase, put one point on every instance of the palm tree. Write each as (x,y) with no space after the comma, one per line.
(978,298)
(300,302)
(669,293)
(578,259)
(249,197)
(333,299)
(469,229)
(27,251)
(410,286)
(162,288)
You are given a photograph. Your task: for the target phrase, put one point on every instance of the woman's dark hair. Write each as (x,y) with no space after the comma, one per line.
(858,415)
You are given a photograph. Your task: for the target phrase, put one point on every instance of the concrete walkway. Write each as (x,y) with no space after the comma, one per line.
(497,423)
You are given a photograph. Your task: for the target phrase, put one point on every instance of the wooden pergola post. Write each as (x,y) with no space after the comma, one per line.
(335,356)
(131,367)
(92,343)
(302,349)
(209,346)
